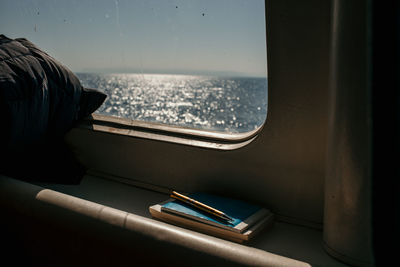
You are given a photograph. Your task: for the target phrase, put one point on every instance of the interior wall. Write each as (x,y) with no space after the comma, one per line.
(284,167)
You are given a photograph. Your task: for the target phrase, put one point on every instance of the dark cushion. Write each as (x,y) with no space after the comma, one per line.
(40,100)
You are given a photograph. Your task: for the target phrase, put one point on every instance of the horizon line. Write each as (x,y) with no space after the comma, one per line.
(185,73)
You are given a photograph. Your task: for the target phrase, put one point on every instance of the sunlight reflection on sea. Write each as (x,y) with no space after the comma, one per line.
(203,102)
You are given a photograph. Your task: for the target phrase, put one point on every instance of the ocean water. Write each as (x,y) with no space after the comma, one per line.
(225,104)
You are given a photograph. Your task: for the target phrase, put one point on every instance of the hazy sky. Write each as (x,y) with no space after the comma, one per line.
(144,36)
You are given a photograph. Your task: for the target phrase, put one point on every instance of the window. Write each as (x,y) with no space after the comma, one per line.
(198,64)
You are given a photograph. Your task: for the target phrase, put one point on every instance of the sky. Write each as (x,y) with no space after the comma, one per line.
(146,36)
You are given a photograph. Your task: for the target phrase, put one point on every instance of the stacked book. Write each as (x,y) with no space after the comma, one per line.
(246,219)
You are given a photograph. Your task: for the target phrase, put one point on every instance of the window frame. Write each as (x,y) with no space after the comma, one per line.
(185,135)
(169,133)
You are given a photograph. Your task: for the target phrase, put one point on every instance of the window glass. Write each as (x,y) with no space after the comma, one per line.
(193,63)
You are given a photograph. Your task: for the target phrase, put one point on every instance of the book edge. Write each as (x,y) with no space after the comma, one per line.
(262,224)
(252,219)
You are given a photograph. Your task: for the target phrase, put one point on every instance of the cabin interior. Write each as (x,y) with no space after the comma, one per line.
(319,162)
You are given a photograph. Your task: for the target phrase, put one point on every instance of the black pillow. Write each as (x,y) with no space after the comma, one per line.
(40,100)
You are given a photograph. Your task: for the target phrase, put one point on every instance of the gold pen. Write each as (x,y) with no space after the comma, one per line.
(201,206)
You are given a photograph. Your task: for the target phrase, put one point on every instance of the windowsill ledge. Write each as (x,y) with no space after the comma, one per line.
(126,207)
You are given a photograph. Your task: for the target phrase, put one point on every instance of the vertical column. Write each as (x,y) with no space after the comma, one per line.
(347,212)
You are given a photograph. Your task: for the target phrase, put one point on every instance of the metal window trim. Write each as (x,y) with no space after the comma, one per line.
(168,133)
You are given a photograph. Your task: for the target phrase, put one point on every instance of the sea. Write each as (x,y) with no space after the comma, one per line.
(225,104)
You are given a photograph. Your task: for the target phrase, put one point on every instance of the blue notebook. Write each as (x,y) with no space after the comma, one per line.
(244,214)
